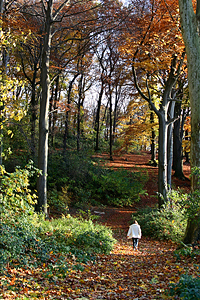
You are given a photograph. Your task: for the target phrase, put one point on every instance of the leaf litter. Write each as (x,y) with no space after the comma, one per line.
(123,274)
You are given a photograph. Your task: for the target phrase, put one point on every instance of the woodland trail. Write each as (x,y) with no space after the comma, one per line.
(128,274)
(125,273)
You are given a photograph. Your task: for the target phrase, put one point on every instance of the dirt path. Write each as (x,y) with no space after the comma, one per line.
(123,274)
(128,274)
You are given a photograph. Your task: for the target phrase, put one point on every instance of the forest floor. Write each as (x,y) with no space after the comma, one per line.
(124,273)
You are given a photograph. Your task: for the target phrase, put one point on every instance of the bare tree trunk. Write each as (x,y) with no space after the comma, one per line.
(153,144)
(117,96)
(66,134)
(170,146)
(55,108)
(44,109)
(97,121)
(162,161)
(79,112)
(187,159)
(177,145)
(190,24)
(110,122)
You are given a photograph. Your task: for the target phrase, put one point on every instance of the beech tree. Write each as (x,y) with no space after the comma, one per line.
(166,117)
(153,49)
(190,25)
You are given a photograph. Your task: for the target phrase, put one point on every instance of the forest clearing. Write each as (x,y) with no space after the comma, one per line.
(122,274)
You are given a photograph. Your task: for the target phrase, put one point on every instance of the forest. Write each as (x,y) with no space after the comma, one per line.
(99,120)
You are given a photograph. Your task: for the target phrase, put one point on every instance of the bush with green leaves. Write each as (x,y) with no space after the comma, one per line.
(119,187)
(15,194)
(30,241)
(88,181)
(80,234)
(188,288)
(167,223)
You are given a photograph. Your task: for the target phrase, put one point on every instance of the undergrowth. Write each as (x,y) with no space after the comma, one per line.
(27,240)
(188,288)
(86,180)
(167,223)
(32,241)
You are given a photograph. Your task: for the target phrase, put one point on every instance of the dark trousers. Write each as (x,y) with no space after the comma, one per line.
(135,242)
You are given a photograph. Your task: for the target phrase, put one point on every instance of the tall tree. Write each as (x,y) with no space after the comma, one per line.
(153,49)
(190,25)
(166,117)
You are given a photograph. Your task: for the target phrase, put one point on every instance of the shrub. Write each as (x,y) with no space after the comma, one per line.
(15,194)
(81,234)
(119,187)
(88,182)
(19,243)
(188,288)
(59,200)
(168,223)
(32,241)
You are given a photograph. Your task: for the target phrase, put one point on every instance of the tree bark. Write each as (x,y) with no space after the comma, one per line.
(110,123)
(190,32)
(153,144)
(170,146)
(80,103)
(97,121)
(177,151)
(66,134)
(162,160)
(55,108)
(177,144)
(44,109)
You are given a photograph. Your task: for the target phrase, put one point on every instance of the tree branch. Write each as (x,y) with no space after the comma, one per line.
(141,93)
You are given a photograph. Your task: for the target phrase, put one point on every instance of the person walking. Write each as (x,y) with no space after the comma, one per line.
(135,234)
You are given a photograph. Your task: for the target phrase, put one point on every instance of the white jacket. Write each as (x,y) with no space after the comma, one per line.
(134,231)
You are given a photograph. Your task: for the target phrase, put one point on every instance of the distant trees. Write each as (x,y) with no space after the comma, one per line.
(105,56)
(62,27)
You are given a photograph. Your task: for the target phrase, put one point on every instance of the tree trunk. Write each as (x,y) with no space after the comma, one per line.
(50,113)
(165,119)
(191,230)
(153,146)
(162,160)
(66,134)
(44,109)
(170,146)
(117,96)
(55,107)
(79,112)
(187,159)
(190,32)
(110,122)
(177,151)
(97,121)
(33,118)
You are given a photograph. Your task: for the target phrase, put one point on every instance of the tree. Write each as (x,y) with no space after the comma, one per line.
(153,49)
(181,112)
(190,24)
(166,117)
